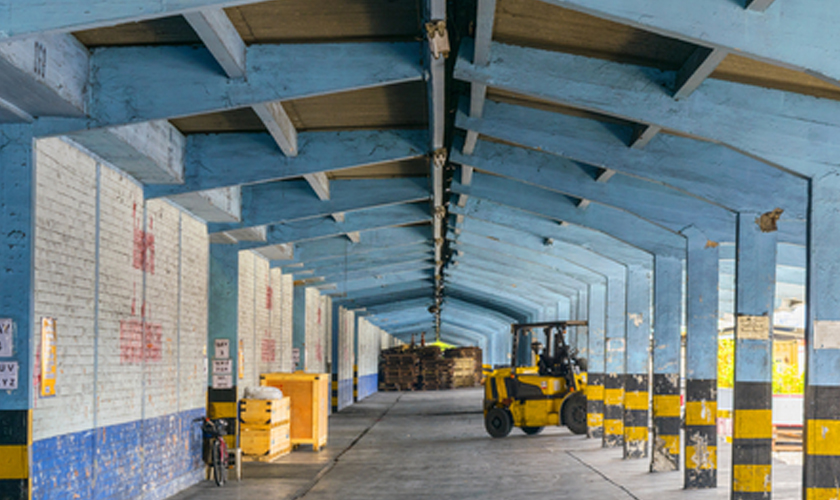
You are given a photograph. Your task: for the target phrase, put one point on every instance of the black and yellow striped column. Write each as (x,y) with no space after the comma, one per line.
(613,410)
(334,392)
(701,434)
(667,340)
(636,402)
(355,383)
(15,448)
(822,443)
(595,405)
(752,441)
(221,404)
(667,422)
(752,433)
(701,347)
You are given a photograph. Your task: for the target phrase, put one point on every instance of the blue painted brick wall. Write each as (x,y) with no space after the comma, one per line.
(345,393)
(368,384)
(148,459)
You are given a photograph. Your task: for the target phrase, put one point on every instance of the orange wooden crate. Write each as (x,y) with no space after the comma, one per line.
(309,394)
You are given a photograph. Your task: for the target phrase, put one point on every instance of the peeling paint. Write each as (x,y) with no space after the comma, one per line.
(663,460)
(702,456)
(637,319)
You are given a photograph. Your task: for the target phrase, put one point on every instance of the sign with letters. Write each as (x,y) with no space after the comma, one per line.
(7,327)
(222,348)
(49,357)
(222,366)
(8,375)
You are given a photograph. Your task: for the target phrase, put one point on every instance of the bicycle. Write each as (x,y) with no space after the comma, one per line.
(215,430)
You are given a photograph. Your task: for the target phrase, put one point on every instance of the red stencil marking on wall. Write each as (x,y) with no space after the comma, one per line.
(268,350)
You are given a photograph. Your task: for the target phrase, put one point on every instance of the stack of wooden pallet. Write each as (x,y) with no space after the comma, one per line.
(435,371)
(264,429)
(787,438)
(398,371)
(469,360)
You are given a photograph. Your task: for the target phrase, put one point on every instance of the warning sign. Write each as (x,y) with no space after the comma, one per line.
(8,375)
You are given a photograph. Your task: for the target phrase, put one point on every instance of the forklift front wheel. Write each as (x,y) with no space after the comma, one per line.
(574,413)
(532,431)
(498,422)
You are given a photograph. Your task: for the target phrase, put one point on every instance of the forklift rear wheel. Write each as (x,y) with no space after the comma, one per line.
(531,431)
(574,413)
(498,422)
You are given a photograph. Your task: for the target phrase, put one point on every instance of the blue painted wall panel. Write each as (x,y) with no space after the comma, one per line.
(345,393)
(152,459)
(368,384)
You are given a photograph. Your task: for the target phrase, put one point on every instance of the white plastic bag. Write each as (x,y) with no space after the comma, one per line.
(263,392)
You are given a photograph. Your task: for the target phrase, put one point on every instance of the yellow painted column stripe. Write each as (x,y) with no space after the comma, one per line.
(823,437)
(14,462)
(595,419)
(636,400)
(613,397)
(221,410)
(613,427)
(701,413)
(666,406)
(752,478)
(702,457)
(753,424)
(822,493)
(670,443)
(595,392)
(636,433)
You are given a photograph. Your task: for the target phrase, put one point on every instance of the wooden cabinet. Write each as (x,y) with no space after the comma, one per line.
(309,396)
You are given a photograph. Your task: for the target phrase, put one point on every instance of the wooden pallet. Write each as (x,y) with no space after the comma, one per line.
(787,438)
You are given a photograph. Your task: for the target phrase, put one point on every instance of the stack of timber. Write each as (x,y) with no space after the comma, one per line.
(787,438)
(474,355)
(398,370)
(264,429)
(437,374)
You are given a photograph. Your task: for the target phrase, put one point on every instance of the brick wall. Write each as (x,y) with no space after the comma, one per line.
(287,294)
(247,371)
(346,357)
(315,338)
(130,365)
(368,358)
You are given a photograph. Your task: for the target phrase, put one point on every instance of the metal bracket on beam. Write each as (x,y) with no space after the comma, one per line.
(438,38)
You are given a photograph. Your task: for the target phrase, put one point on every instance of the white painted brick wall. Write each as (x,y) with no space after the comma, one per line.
(315,341)
(162,290)
(194,264)
(287,294)
(65,276)
(119,391)
(262,353)
(275,326)
(327,309)
(346,334)
(65,271)
(246,323)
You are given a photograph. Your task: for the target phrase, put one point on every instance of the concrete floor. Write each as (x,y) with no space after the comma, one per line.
(432,445)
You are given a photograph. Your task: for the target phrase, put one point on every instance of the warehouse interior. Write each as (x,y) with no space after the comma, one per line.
(195,193)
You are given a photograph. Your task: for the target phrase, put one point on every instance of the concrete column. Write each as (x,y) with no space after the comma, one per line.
(821,478)
(667,310)
(595,349)
(337,318)
(636,381)
(755,282)
(17,253)
(223,326)
(615,343)
(701,362)
(299,326)
(582,331)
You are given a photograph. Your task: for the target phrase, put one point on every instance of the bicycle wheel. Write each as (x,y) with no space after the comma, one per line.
(219,469)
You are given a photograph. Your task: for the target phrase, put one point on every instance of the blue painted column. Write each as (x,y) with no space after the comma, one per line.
(595,358)
(299,326)
(701,362)
(755,282)
(636,380)
(17,251)
(667,322)
(582,332)
(821,478)
(336,356)
(615,344)
(223,326)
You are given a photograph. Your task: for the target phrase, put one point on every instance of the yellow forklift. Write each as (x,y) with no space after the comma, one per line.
(551,392)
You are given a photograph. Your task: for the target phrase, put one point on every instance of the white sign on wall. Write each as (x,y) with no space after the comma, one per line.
(8,375)
(6,329)
(222,366)
(222,381)
(222,350)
